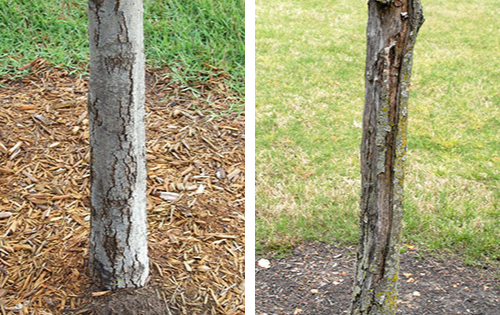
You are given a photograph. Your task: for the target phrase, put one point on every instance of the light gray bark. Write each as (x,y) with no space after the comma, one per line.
(391,33)
(118,236)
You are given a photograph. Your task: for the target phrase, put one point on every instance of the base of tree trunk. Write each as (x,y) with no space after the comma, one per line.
(128,301)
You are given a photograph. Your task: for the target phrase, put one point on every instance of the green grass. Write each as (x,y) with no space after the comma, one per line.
(310,58)
(196,39)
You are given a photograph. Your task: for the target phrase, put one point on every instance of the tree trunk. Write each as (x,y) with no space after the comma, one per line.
(118,239)
(391,33)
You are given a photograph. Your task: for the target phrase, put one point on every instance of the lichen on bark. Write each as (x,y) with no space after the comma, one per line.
(386,2)
(391,33)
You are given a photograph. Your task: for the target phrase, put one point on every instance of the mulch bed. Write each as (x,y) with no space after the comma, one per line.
(196,167)
(317,279)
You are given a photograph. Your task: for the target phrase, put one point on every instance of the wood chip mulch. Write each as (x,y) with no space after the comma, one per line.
(196,170)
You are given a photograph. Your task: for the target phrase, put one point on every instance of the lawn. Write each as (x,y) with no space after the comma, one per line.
(196,39)
(310,58)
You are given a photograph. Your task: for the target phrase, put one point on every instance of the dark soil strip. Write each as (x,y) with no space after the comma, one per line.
(317,279)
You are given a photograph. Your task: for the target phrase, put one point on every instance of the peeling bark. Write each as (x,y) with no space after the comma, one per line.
(391,33)
(118,236)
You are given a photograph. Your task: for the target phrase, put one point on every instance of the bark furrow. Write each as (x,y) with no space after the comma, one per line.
(118,239)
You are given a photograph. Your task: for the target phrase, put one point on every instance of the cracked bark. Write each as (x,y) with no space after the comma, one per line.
(391,33)
(118,236)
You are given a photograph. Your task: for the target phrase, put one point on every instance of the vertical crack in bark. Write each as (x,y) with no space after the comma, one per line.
(124,28)
(117,6)
(119,244)
(391,33)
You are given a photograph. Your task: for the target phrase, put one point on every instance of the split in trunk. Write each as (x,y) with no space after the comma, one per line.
(391,33)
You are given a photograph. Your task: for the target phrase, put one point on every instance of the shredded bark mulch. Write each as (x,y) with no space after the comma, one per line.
(196,168)
(317,279)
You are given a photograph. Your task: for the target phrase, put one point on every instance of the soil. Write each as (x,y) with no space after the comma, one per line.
(317,279)
(147,300)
